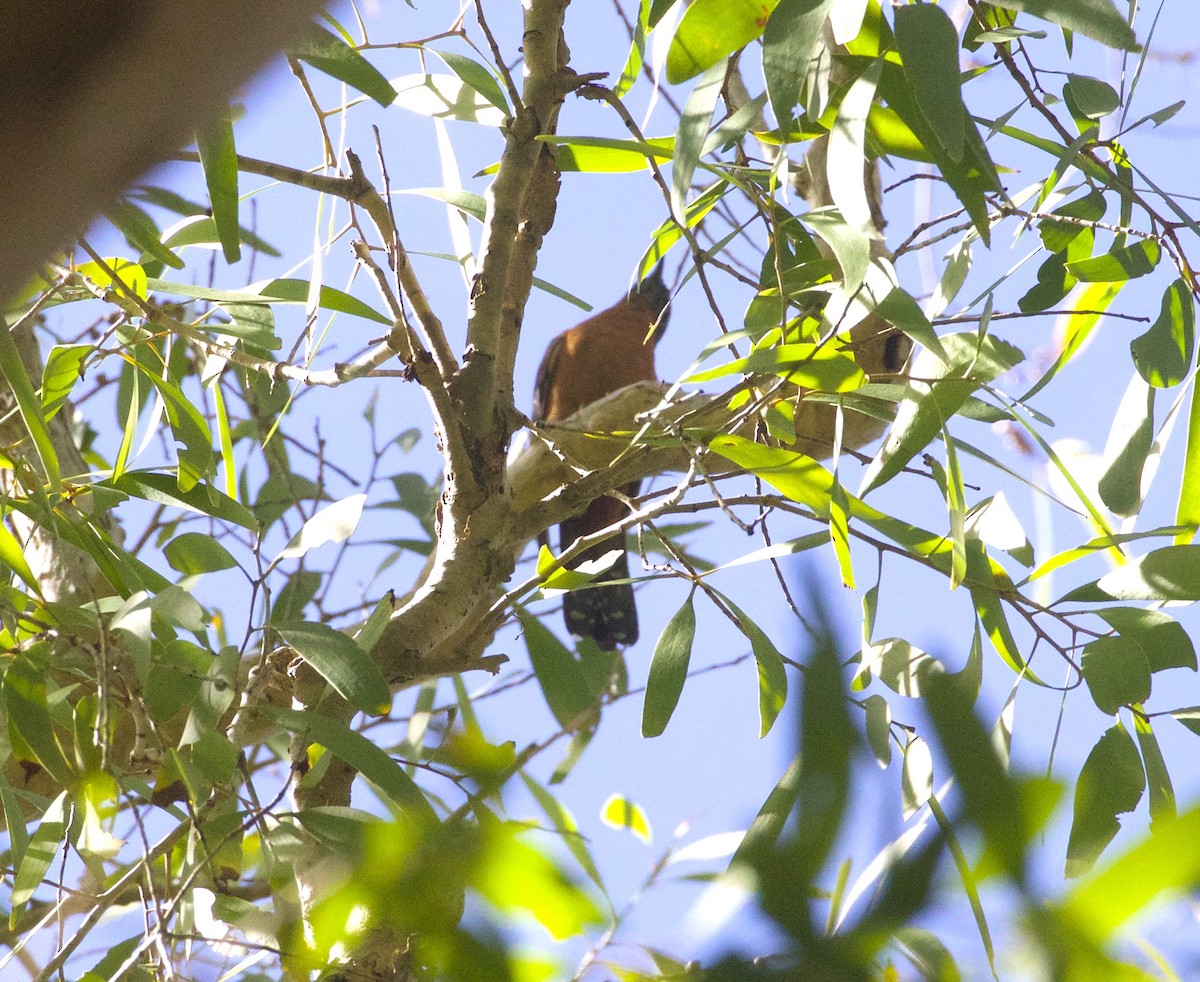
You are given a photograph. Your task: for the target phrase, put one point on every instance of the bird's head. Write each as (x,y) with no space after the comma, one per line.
(652,295)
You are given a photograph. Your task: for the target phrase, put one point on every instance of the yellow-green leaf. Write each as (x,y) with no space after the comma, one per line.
(711,29)
(620,812)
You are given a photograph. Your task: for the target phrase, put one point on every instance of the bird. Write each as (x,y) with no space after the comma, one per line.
(603,354)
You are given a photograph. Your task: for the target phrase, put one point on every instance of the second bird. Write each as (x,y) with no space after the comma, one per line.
(603,354)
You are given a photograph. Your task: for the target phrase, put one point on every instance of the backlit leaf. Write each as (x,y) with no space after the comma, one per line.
(1122,264)
(618,812)
(711,29)
(1163,354)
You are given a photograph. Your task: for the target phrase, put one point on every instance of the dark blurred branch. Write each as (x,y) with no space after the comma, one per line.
(93,93)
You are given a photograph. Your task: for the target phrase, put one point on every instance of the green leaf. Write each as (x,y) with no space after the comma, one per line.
(916,776)
(330,54)
(194,552)
(1111,783)
(1162,794)
(377,621)
(789,37)
(194,450)
(1098,19)
(879,728)
(902,667)
(218,157)
(275,291)
(990,795)
(480,78)
(850,246)
(251,322)
(341,829)
(296,594)
(1172,573)
(1056,236)
(711,29)
(1119,265)
(1130,443)
(512,876)
(828,741)
(900,309)
(767,826)
(29,405)
(606,155)
(468,202)
(1164,864)
(1090,97)
(668,670)
(989,608)
(928,405)
(956,505)
(1189,717)
(658,10)
(920,418)
(566,826)
(928,44)
(772,679)
(927,953)
(557,579)
(203,499)
(1117,673)
(30,725)
(619,812)
(693,127)
(822,367)
(847,162)
(296,291)
(1165,114)
(970,177)
(1187,510)
(970,677)
(668,233)
(1162,638)
(45,846)
(637,51)
(1095,299)
(342,663)
(141,232)
(1053,280)
(563,683)
(796,476)
(1163,354)
(12,555)
(63,369)
(839,533)
(370,761)
(171,201)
